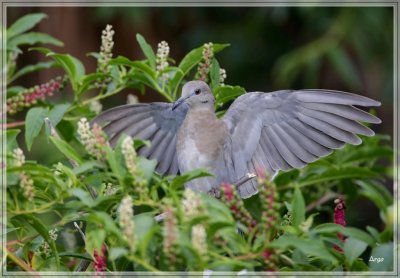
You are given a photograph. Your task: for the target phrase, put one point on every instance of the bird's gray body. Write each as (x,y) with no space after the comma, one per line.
(273,131)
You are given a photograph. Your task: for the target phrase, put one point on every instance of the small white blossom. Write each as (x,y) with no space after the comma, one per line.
(162,59)
(125,214)
(170,233)
(204,67)
(95,106)
(109,189)
(130,155)
(26,184)
(191,203)
(199,239)
(107,45)
(45,249)
(53,234)
(19,157)
(222,76)
(132,99)
(92,139)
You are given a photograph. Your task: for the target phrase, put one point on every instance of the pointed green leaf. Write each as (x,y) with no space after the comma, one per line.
(24,24)
(353,248)
(32,38)
(298,207)
(33,124)
(66,149)
(147,50)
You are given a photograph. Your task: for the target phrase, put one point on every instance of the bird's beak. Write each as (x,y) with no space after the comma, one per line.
(179,102)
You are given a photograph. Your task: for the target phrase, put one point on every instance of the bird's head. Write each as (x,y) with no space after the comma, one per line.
(196,94)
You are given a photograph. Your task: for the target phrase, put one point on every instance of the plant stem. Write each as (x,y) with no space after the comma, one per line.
(20,263)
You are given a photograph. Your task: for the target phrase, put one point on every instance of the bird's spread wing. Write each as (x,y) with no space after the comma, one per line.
(156,122)
(288,129)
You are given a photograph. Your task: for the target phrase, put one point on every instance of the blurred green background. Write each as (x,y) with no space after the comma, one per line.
(272,48)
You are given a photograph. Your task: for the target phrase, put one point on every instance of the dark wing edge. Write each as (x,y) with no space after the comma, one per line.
(296,128)
(155,122)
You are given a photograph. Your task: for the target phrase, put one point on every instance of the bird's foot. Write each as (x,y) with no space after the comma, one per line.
(215,192)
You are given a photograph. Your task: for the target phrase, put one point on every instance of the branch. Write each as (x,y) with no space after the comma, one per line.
(329,195)
(15,124)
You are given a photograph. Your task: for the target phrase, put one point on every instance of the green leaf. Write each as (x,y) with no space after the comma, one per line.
(83,195)
(377,193)
(195,56)
(179,181)
(121,60)
(359,234)
(310,247)
(33,124)
(347,231)
(24,24)
(66,149)
(147,50)
(57,112)
(73,67)
(75,255)
(11,135)
(224,94)
(95,240)
(353,248)
(298,207)
(381,258)
(117,252)
(334,174)
(192,59)
(42,230)
(31,68)
(147,166)
(214,73)
(31,39)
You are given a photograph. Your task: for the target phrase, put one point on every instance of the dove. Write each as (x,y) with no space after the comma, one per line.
(275,131)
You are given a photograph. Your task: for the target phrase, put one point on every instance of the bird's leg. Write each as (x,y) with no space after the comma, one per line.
(215,192)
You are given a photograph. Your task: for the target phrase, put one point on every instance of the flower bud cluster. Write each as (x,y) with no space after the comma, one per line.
(132,99)
(19,157)
(53,234)
(199,239)
(269,259)
(130,155)
(170,234)
(26,183)
(269,204)
(30,96)
(339,218)
(106,48)
(192,204)
(94,140)
(100,259)
(222,76)
(204,67)
(109,189)
(235,203)
(95,106)
(105,55)
(125,214)
(162,60)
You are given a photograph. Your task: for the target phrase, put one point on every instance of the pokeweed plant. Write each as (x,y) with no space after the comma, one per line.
(91,207)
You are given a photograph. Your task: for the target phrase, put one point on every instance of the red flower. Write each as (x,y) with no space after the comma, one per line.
(339,218)
(100,259)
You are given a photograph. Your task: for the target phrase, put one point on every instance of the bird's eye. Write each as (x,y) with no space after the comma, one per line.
(197,92)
